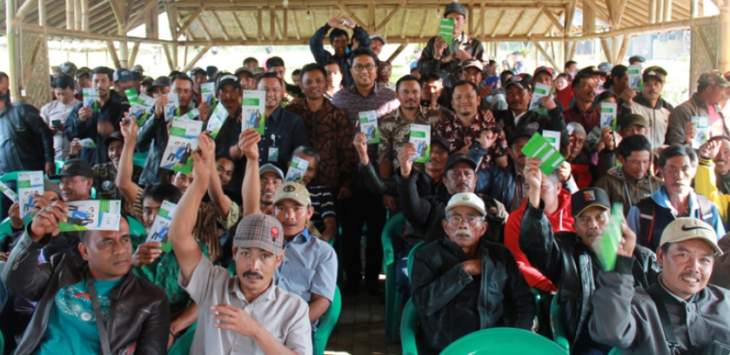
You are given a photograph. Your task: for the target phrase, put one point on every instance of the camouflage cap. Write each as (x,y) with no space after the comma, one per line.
(712,78)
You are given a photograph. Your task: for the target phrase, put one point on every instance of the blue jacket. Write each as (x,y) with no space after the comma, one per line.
(664,213)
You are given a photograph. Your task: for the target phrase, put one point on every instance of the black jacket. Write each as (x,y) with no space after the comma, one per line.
(321,56)
(152,137)
(423,215)
(566,262)
(554,122)
(26,142)
(452,303)
(112,112)
(139,311)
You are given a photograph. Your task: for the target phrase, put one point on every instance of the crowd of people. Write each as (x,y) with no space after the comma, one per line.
(250,255)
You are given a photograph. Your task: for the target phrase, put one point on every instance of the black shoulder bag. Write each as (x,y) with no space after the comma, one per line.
(712,347)
(103,338)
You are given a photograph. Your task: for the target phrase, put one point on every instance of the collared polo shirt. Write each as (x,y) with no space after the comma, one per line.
(284,315)
(309,266)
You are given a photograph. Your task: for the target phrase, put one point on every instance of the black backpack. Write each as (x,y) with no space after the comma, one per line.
(647,215)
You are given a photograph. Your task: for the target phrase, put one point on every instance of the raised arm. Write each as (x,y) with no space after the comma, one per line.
(416,210)
(215,191)
(186,249)
(316,45)
(124,181)
(249,145)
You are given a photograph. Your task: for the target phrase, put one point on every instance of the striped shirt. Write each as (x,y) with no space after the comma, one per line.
(323,204)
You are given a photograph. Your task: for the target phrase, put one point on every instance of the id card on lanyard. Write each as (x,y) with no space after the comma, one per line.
(273,150)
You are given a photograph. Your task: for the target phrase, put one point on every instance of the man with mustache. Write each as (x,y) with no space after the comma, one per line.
(674,199)
(247,313)
(703,103)
(649,104)
(632,180)
(679,314)
(423,213)
(79,308)
(329,133)
(310,270)
(270,178)
(568,259)
(462,283)
(395,129)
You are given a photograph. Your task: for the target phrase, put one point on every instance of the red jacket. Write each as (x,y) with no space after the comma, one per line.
(562,221)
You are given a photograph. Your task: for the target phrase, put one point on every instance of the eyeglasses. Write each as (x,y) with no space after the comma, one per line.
(359,68)
(456,220)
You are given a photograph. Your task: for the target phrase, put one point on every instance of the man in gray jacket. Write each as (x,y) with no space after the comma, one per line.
(628,319)
(703,103)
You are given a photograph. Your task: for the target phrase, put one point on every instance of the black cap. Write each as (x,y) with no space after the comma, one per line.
(211,70)
(637,58)
(455,7)
(243,70)
(523,82)
(656,72)
(437,138)
(137,76)
(522,131)
(589,197)
(116,136)
(75,167)
(457,158)
(229,79)
(198,71)
(161,81)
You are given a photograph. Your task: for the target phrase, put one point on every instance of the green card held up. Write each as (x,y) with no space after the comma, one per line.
(606,246)
(541,148)
(446,30)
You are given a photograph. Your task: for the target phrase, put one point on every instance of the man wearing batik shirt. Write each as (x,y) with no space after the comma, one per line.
(328,131)
(464,129)
(361,97)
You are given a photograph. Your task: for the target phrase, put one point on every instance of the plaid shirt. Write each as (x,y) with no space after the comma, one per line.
(395,133)
(331,135)
(381,100)
(587,119)
(459,136)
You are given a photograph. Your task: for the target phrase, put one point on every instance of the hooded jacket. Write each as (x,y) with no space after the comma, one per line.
(658,117)
(624,188)
(561,221)
(664,213)
(568,263)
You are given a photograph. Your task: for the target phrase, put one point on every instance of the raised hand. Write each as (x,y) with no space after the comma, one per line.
(129,128)
(84,113)
(405,158)
(146,254)
(710,149)
(689,132)
(46,220)
(628,240)
(361,147)
(248,143)
(487,139)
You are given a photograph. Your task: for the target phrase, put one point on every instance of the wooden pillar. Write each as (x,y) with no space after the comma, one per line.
(615,44)
(77,15)
(660,11)
(693,8)
(652,11)
(42,13)
(667,10)
(113,54)
(724,53)
(85,15)
(589,20)
(69,14)
(123,54)
(11,32)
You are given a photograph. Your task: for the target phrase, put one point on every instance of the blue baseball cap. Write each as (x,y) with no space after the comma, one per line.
(122,75)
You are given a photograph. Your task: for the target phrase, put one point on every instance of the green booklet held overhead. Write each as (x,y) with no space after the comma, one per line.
(608,115)
(446,30)
(254,110)
(103,215)
(217,118)
(420,136)
(29,184)
(541,148)
(606,246)
(181,144)
(131,95)
(161,225)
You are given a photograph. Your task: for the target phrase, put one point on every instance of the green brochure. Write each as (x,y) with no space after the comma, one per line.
(92,215)
(446,30)
(161,225)
(606,246)
(541,148)
(420,136)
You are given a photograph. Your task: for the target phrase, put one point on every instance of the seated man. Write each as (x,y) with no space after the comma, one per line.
(310,270)
(567,258)
(675,198)
(246,313)
(78,306)
(681,305)
(631,181)
(461,285)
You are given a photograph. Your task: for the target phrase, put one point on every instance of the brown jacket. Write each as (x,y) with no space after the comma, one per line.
(683,113)
(138,315)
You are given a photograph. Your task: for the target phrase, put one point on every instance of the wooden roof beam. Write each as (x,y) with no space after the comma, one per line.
(190,20)
(552,17)
(497,24)
(532,27)
(296,24)
(237,22)
(204,28)
(219,23)
(545,54)
(389,17)
(423,25)
(351,15)
(620,13)
(514,26)
(482,14)
(600,14)
(405,25)
(140,15)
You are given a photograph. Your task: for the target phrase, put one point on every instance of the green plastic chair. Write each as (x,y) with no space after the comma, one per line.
(5,230)
(408,329)
(615,351)
(139,158)
(393,229)
(183,344)
(59,165)
(327,324)
(503,341)
(556,323)
(2,343)
(12,176)
(410,257)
